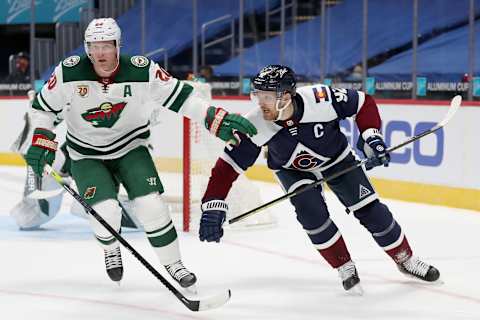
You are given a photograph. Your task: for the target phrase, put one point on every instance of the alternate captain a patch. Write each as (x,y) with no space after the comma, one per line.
(104,116)
(320,95)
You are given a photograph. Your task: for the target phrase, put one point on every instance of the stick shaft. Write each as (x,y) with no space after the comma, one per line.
(454,105)
(192,305)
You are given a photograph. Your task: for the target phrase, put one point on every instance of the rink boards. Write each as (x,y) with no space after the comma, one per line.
(438,169)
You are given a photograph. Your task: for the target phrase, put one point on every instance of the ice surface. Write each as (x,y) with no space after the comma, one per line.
(58,272)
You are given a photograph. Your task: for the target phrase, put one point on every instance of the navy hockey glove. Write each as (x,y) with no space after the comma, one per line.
(42,150)
(375,149)
(223,124)
(213,216)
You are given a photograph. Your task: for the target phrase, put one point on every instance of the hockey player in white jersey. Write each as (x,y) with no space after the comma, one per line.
(31,213)
(300,128)
(105,99)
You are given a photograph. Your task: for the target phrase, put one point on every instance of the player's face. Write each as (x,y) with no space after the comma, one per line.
(269,103)
(104,54)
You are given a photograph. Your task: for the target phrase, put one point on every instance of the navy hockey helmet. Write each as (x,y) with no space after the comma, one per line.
(276,78)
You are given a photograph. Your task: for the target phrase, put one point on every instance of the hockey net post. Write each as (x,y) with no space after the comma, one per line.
(200,152)
(186,176)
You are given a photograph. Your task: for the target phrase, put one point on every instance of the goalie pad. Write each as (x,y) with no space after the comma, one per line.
(30,214)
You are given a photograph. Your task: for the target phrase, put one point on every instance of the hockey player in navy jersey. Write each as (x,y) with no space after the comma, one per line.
(300,128)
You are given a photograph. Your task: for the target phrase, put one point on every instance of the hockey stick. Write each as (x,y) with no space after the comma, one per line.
(454,105)
(34,183)
(194,305)
(44,194)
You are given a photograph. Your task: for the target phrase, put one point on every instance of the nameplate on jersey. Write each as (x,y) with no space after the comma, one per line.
(304,159)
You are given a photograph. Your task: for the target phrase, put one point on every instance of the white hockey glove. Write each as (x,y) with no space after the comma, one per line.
(375,149)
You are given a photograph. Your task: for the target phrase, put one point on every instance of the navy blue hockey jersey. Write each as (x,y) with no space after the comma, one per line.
(310,140)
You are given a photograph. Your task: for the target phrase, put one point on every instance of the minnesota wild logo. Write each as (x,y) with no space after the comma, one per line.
(104,116)
(90,193)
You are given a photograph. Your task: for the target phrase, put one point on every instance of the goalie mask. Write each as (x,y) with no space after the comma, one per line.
(278,79)
(103,29)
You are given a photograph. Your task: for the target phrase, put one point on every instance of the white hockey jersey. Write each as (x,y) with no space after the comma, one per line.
(107,119)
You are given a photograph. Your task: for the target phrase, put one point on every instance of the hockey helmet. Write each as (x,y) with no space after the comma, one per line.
(103,29)
(276,78)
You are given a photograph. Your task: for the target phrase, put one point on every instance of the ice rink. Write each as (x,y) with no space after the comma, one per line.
(275,273)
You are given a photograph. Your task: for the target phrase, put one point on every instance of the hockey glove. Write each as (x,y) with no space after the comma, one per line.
(213,216)
(42,150)
(375,149)
(223,124)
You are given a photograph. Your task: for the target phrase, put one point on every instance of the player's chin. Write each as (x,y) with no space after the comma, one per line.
(268,116)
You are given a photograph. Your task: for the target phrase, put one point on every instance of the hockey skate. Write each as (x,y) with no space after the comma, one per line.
(185,278)
(113,263)
(350,280)
(414,267)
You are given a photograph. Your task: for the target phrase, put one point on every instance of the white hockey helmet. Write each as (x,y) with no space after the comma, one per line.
(103,29)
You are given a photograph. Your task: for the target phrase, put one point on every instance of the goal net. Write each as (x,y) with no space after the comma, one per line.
(200,151)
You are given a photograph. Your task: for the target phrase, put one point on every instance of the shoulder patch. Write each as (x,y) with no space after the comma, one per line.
(71,61)
(139,61)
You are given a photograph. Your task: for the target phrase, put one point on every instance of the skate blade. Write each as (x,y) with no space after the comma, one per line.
(356,290)
(437,282)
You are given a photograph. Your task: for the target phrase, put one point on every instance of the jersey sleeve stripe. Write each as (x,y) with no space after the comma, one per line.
(36,105)
(361,100)
(182,96)
(172,94)
(45,105)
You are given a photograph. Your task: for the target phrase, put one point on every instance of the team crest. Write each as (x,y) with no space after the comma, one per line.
(82,90)
(305,159)
(139,61)
(104,116)
(90,193)
(71,61)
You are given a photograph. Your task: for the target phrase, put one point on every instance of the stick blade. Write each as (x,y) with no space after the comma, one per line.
(454,105)
(44,194)
(215,301)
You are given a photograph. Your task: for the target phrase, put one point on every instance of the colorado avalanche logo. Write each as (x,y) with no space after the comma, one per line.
(104,116)
(305,159)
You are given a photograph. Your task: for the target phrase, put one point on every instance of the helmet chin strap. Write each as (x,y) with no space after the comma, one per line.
(282,109)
